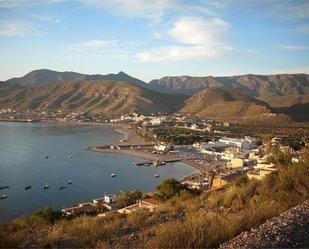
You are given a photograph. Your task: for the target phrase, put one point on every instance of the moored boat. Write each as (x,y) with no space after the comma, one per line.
(28,187)
(4,197)
(62,187)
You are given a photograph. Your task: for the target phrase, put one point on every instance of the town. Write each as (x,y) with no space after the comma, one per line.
(215,148)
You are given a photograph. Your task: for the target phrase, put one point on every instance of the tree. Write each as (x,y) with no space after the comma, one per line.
(169,188)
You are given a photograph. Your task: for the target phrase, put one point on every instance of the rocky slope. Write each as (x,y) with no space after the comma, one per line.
(105,96)
(263,86)
(289,230)
(223,103)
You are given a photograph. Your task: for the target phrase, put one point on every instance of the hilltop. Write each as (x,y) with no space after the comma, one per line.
(222,103)
(250,84)
(46,76)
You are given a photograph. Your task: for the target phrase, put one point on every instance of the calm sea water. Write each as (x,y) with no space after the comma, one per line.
(22,163)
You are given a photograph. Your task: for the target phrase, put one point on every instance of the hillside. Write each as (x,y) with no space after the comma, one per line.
(253,85)
(45,76)
(105,96)
(225,104)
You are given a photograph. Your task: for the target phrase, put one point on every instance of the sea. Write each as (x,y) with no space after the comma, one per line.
(34,154)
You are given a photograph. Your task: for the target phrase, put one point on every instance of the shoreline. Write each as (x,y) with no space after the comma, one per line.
(129,137)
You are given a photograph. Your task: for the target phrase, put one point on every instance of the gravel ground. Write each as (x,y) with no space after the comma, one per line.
(289,230)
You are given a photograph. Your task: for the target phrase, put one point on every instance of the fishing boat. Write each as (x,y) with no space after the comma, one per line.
(156,176)
(28,187)
(62,187)
(70,181)
(113,175)
(4,187)
(4,197)
(46,186)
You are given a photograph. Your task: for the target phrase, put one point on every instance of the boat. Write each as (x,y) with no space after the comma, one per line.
(70,156)
(70,181)
(46,156)
(156,176)
(113,175)
(62,187)
(28,187)
(4,187)
(46,186)
(58,177)
(4,197)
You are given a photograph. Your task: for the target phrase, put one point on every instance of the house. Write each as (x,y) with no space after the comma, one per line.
(163,147)
(149,203)
(223,180)
(260,173)
(82,208)
(235,163)
(110,198)
(129,209)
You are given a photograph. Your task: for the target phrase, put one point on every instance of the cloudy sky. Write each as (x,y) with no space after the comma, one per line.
(150,39)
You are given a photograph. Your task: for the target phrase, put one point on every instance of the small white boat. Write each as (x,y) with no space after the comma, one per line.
(4,197)
(46,186)
(70,156)
(70,181)
(113,175)
(156,176)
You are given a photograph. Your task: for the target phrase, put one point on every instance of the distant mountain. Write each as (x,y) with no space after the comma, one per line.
(104,96)
(227,104)
(45,76)
(263,86)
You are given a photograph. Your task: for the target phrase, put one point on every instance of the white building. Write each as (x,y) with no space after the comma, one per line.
(246,143)
(110,198)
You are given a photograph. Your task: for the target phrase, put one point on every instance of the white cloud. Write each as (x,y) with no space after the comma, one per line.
(46,18)
(293,47)
(136,8)
(176,53)
(195,38)
(93,44)
(197,31)
(290,9)
(15,28)
(291,70)
(17,3)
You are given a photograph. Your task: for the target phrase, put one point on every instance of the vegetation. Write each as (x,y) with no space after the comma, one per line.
(184,219)
(128,198)
(180,136)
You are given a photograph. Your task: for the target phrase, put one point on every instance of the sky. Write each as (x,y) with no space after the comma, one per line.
(150,39)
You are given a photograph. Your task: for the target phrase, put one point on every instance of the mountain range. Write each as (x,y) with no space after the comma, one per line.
(241,96)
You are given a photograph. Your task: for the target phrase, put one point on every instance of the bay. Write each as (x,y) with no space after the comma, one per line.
(23,147)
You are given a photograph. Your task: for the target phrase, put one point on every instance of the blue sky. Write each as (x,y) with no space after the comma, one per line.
(150,39)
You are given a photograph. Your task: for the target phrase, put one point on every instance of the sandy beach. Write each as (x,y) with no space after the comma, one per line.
(130,138)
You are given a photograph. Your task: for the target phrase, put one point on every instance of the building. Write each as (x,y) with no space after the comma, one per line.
(246,143)
(163,147)
(260,173)
(223,180)
(110,198)
(235,163)
(82,208)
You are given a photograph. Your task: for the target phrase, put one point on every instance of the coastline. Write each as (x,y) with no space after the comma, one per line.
(129,137)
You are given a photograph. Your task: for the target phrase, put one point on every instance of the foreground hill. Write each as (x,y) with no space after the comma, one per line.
(253,85)
(45,76)
(105,96)
(223,103)
(288,230)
